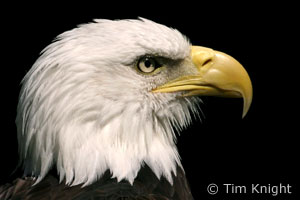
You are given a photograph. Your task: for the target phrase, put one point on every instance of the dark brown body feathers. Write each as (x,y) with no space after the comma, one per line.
(145,187)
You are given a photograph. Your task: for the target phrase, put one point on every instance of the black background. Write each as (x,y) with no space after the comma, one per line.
(261,148)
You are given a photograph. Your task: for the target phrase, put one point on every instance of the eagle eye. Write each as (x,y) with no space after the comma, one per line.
(147,64)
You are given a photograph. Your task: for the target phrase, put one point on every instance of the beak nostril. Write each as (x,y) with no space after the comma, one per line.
(207,61)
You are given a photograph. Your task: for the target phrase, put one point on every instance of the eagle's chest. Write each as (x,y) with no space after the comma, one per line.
(145,186)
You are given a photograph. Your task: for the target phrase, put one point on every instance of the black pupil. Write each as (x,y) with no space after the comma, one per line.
(148,63)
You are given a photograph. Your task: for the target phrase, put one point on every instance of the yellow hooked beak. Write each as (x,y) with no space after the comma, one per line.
(218,74)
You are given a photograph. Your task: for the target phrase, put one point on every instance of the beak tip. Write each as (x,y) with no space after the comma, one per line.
(244,114)
(247,104)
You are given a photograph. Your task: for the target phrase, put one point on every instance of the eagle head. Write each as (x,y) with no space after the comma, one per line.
(110,95)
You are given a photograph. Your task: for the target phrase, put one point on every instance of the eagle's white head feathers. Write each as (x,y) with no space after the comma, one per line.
(84,107)
(110,95)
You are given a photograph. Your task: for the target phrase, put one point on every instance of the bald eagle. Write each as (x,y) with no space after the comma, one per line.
(102,104)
